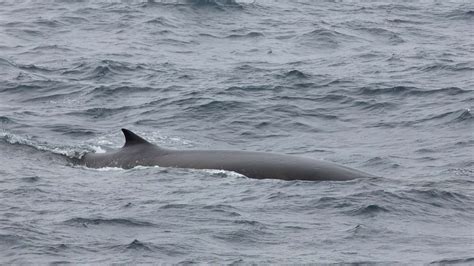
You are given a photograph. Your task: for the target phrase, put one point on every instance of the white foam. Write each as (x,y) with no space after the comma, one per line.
(107,169)
(14,139)
(98,149)
(142,167)
(104,142)
(224,172)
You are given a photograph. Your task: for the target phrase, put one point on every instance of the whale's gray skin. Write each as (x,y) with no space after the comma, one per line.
(260,165)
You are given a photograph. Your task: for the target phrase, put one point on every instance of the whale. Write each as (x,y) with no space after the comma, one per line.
(259,165)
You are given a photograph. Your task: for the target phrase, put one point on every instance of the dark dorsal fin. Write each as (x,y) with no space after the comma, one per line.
(132,138)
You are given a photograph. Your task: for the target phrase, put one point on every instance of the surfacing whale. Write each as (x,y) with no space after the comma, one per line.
(260,165)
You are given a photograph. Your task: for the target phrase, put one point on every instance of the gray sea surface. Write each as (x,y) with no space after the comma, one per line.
(386,87)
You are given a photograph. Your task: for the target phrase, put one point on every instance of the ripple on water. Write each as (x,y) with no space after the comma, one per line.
(246,35)
(369,210)
(126,222)
(461,261)
(115,91)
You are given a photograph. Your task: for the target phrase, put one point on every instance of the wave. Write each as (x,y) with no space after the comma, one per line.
(390,36)
(462,261)
(446,118)
(361,231)
(443,67)
(11,239)
(161,21)
(218,4)
(52,48)
(295,74)
(114,91)
(374,106)
(7,120)
(70,130)
(325,38)
(381,161)
(216,107)
(369,210)
(252,34)
(212,2)
(227,210)
(251,223)
(128,222)
(250,88)
(24,191)
(67,97)
(138,245)
(291,111)
(401,202)
(60,151)
(461,14)
(442,195)
(404,21)
(6,62)
(171,249)
(31,179)
(339,98)
(73,20)
(176,206)
(246,235)
(408,91)
(25,72)
(104,69)
(462,115)
(100,112)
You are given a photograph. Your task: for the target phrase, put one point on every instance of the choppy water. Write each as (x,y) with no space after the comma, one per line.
(383,87)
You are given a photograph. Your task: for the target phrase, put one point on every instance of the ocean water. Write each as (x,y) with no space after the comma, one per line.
(386,87)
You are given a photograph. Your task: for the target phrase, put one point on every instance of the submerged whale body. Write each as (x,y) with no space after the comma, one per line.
(261,165)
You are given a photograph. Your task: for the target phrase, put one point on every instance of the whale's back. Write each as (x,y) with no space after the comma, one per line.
(260,165)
